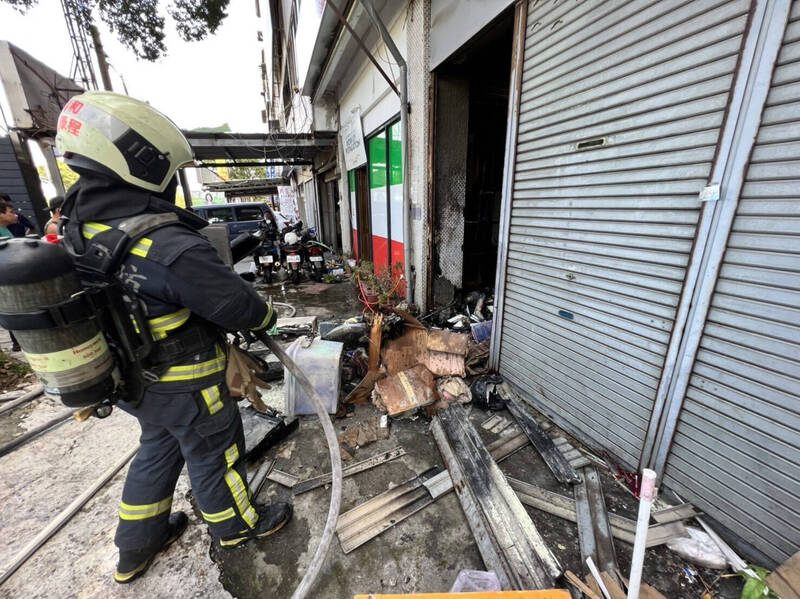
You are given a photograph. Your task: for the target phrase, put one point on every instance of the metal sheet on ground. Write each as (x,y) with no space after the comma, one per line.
(380,513)
(507,538)
(369,519)
(318,481)
(558,465)
(594,532)
(622,528)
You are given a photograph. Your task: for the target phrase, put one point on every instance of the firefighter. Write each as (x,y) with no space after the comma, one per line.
(127,154)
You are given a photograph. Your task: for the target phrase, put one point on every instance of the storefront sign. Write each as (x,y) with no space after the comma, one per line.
(288,201)
(355,154)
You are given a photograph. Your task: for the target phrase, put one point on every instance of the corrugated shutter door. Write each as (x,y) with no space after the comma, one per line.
(736,450)
(599,238)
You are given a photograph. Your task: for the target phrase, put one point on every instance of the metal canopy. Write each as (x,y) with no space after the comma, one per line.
(272,148)
(36,93)
(246,187)
(335,49)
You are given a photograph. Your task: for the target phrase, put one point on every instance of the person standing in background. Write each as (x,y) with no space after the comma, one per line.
(21,225)
(51,227)
(8,218)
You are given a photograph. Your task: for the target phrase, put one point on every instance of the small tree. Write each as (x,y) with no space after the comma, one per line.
(246,172)
(139,25)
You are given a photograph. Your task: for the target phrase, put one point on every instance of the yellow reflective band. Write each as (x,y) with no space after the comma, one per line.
(188,372)
(128,511)
(240,497)
(219,516)
(140,248)
(89,230)
(160,325)
(211,397)
(266,319)
(231,455)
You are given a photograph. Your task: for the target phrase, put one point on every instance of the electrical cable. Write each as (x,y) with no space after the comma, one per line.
(6,128)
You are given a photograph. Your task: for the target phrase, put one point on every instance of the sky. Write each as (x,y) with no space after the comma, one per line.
(198,84)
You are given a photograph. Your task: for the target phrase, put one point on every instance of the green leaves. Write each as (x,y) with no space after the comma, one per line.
(197,18)
(756,587)
(139,25)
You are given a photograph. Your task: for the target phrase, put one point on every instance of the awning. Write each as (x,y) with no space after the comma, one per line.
(246,187)
(259,148)
(335,51)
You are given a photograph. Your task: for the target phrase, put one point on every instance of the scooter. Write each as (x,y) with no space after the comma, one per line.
(315,253)
(267,256)
(292,251)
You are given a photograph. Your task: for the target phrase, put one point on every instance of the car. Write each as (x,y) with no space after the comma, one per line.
(240,217)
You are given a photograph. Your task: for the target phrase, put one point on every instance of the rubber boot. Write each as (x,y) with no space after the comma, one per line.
(132,564)
(271,518)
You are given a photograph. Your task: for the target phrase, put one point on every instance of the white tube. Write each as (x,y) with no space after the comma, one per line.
(597,578)
(646,495)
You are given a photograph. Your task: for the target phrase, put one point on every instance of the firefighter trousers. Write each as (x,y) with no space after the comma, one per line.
(202,429)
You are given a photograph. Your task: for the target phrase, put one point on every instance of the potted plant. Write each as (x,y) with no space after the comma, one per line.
(377,289)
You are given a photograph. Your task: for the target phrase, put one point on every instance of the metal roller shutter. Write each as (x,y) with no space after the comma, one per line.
(736,450)
(599,238)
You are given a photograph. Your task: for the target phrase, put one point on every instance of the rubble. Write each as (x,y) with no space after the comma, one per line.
(446,352)
(507,538)
(484,392)
(351,334)
(407,367)
(361,435)
(297,325)
(404,393)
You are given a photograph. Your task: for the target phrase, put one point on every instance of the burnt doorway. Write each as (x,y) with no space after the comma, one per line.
(471,91)
(360,219)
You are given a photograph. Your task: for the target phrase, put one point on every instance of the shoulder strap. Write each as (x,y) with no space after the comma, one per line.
(107,246)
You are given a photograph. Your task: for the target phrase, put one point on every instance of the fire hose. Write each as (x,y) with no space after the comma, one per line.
(336,466)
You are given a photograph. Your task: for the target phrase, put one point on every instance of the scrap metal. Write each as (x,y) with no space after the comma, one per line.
(558,465)
(506,536)
(324,479)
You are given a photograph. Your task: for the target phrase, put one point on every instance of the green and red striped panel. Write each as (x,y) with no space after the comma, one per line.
(386,195)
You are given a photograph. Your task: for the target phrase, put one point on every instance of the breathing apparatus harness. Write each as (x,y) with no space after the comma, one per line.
(102,301)
(141,358)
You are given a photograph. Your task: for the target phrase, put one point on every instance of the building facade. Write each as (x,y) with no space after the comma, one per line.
(625,177)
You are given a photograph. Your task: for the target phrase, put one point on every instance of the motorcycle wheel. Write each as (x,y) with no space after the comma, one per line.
(267,277)
(316,272)
(295,276)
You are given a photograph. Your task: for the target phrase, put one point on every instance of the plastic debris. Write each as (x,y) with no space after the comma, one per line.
(484,395)
(699,548)
(475,580)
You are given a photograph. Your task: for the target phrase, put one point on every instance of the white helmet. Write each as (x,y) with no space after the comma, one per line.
(119,135)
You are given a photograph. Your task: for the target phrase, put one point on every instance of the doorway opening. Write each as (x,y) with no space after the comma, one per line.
(469,133)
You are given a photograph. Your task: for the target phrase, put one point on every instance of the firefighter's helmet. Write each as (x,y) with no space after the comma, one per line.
(123,137)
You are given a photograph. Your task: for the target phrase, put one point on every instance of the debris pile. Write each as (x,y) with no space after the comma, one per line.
(436,368)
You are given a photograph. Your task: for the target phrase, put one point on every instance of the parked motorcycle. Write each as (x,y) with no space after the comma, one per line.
(292,251)
(267,255)
(315,253)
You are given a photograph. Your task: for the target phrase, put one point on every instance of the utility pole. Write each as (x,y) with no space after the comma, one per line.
(101,58)
(82,69)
